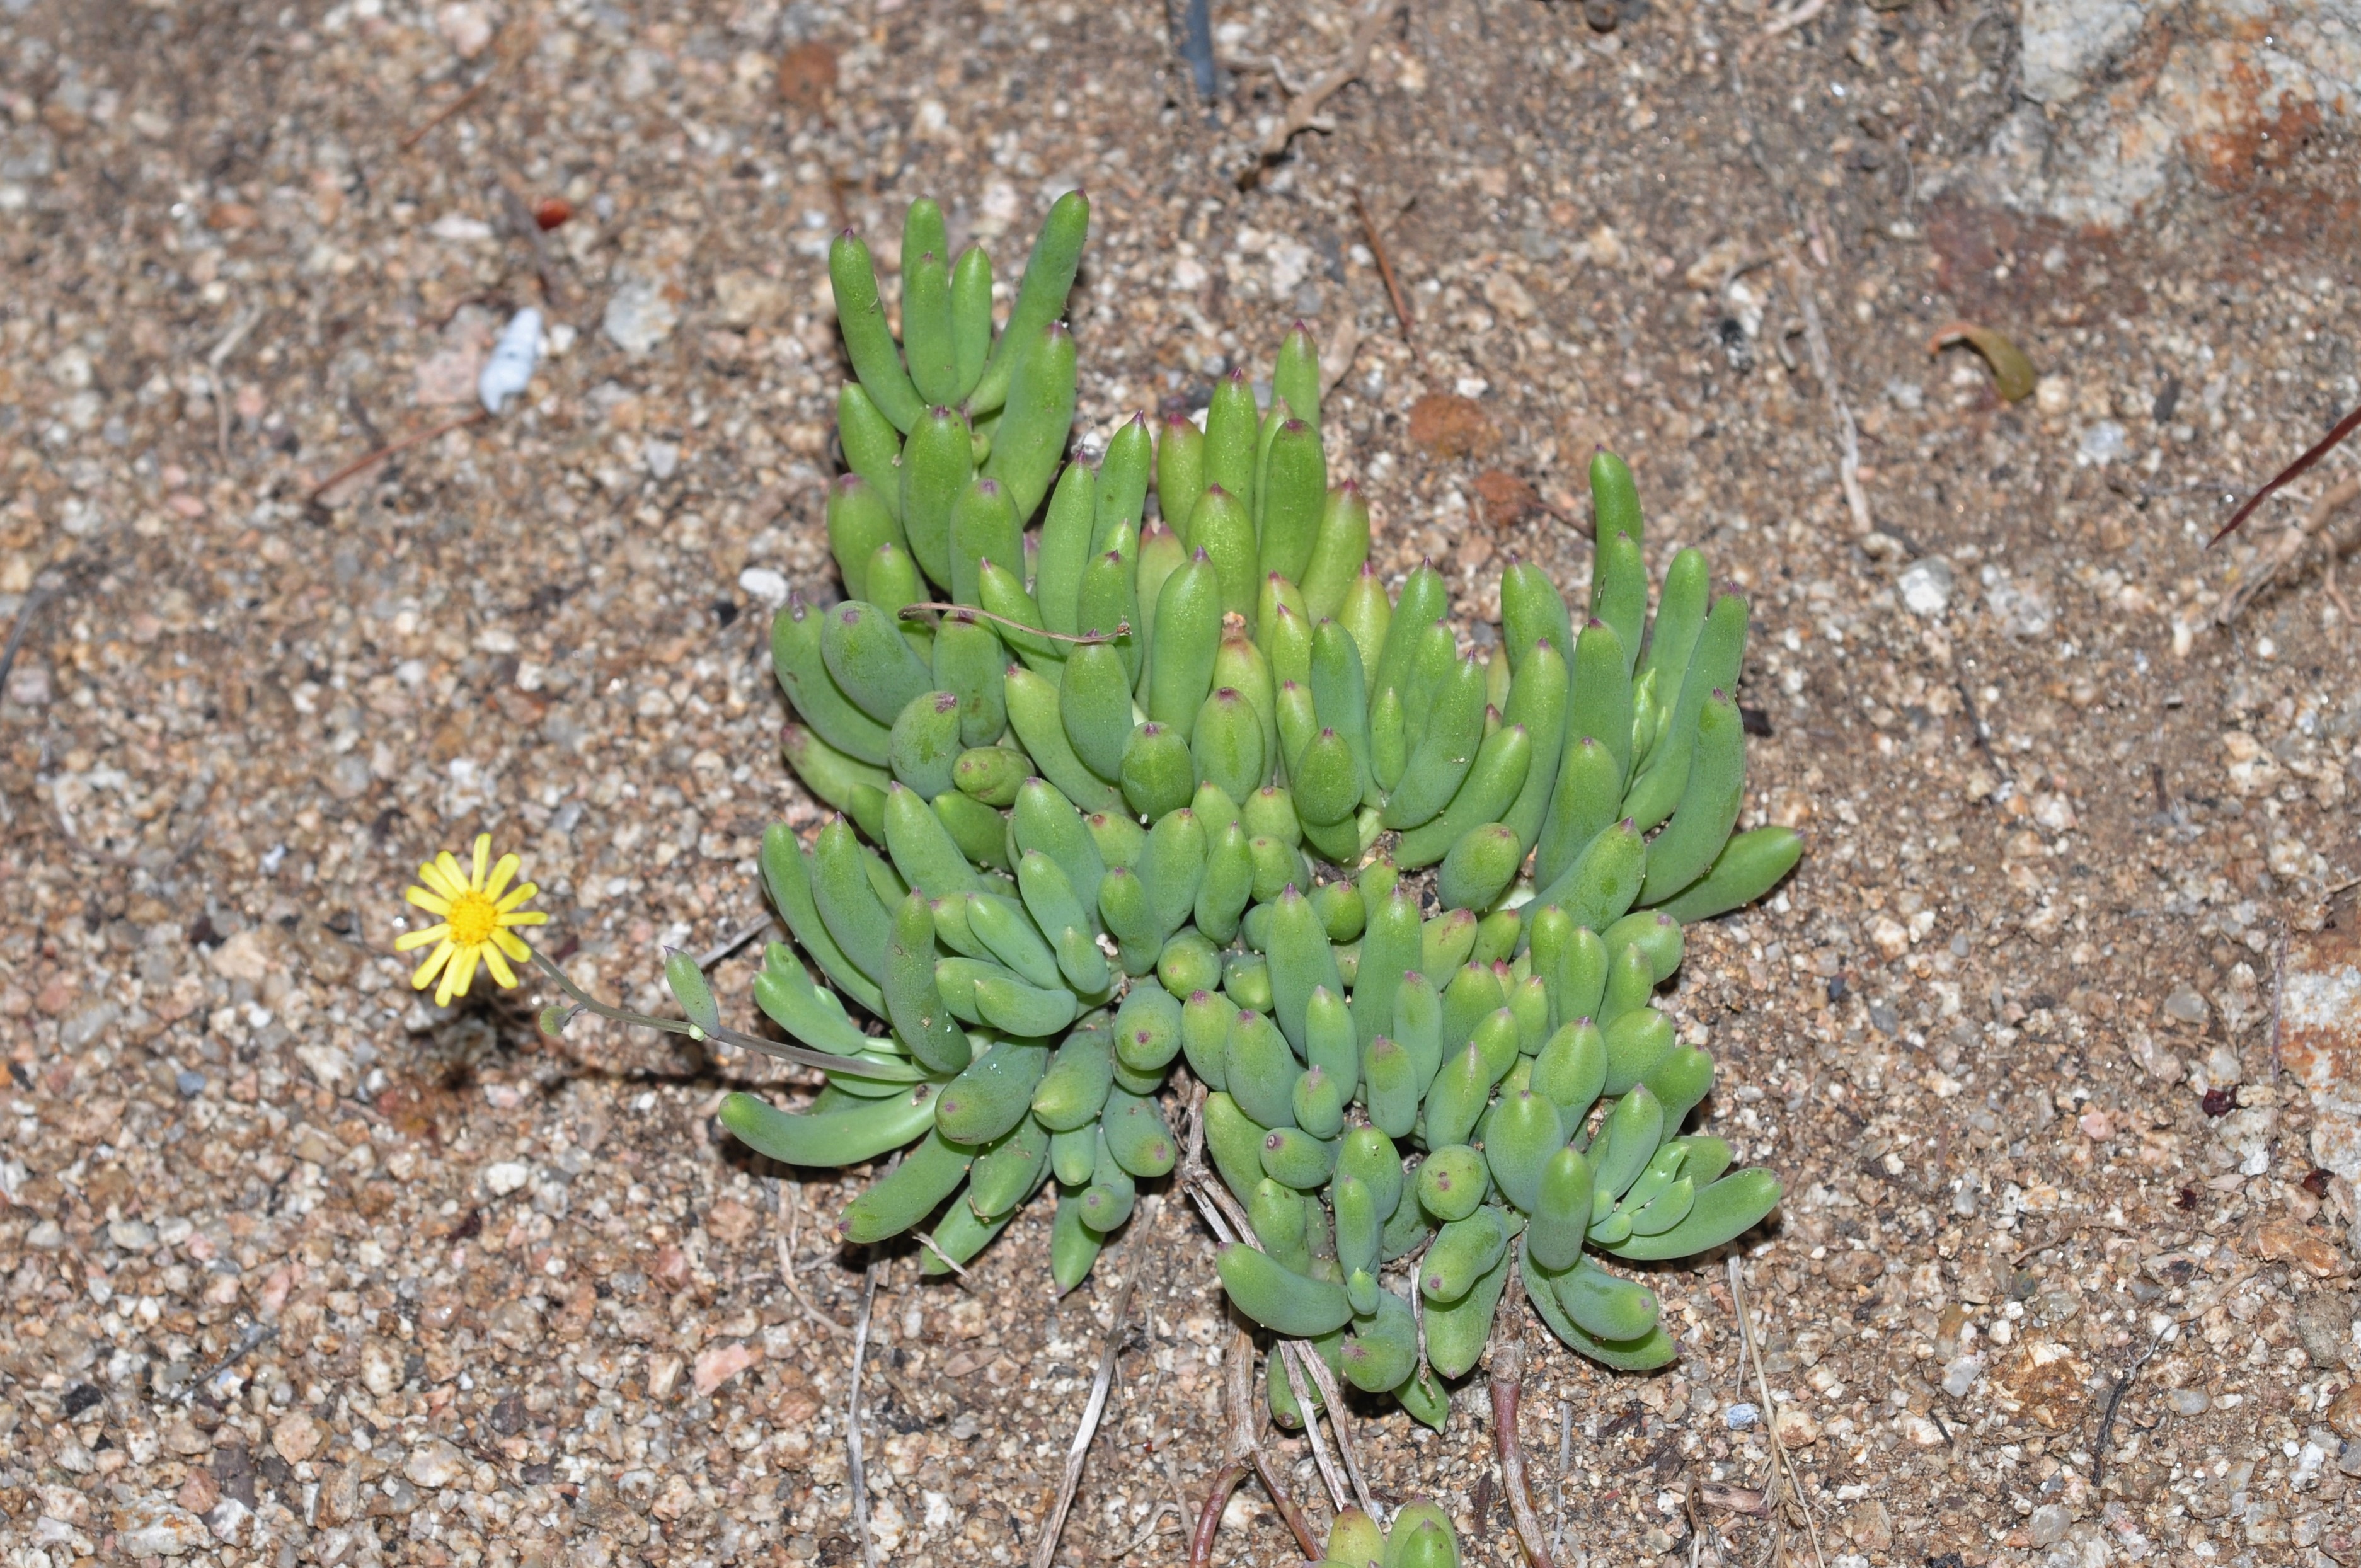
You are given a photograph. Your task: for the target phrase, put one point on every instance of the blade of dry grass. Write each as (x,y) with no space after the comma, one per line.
(1110,1349)
(1783,1487)
(854,1476)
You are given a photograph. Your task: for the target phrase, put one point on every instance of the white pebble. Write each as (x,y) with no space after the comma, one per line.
(762,584)
(1926,586)
(509,369)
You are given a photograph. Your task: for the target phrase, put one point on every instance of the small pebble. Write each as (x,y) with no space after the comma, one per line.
(509,369)
(506,1177)
(190,1084)
(1738,1418)
(1926,586)
(2104,443)
(639,317)
(762,584)
(2190,1401)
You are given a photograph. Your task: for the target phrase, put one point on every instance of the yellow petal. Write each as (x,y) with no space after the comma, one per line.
(525,917)
(419,938)
(499,966)
(448,864)
(432,903)
(501,873)
(514,947)
(434,961)
(433,874)
(458,977)
(483,858)
(518,894)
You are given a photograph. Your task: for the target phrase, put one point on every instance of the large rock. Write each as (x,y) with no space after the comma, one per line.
(2122,101)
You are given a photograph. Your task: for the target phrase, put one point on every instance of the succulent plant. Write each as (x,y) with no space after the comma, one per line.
(1420,1537)
(1113,748)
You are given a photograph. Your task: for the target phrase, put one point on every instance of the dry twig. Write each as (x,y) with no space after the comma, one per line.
(1564,1464)
(787,1269)
(854,1474)
(925,1239)
(1339,1423)
(1783,1487)
(213,363)
(1296,1523)
(1209,1518)
(1122,627)
(1508,1387)
(1046,1547)
(392,449)
(1292,1364)
(2292,546)
(255,1335)
(1302,111)
(1824,366)
(732,942)
(2318,450)
(1385,266)
(515,42)
(2114,1401)
(1147,1532)
(1229,1222)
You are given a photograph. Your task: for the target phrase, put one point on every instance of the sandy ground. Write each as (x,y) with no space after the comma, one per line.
(303,1269)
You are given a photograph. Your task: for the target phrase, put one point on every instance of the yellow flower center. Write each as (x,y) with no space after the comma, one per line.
(474,917)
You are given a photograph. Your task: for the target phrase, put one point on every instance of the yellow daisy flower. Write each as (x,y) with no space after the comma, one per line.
(477,912)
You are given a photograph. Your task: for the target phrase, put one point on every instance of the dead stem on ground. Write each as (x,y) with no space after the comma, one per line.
(1078,1451)
(1385,266)
(1229,1224)
(1508,1387)
(1291,1366)
(370,459)
(1303,112)
(787,1265)
(1564,1464)
(1785,1493)
(1348,1445)
(1824,369)
(515,42)
(2312,455)
(854,1476)
(2290,548)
